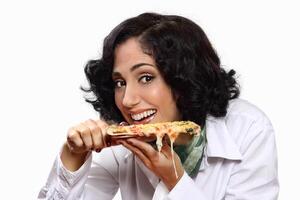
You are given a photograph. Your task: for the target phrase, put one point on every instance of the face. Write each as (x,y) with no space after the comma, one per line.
(141,94)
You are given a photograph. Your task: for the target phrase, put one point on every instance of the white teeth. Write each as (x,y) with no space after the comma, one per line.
(142,115)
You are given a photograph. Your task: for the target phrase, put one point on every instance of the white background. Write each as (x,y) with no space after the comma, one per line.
(45,44)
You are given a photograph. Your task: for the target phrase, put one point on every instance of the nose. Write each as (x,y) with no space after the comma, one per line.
(131,97)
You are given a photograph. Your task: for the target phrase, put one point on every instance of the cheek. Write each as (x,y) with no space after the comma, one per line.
(160,95)
(154,95)
(118,100)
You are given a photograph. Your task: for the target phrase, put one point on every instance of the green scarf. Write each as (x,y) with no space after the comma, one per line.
(191,155)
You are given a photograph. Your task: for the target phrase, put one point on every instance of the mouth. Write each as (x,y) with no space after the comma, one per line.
(143,117)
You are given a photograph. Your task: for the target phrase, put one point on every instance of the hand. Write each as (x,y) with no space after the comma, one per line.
(82,139)
(160,163)
(87,136)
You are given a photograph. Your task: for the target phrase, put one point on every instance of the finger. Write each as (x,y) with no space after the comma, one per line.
(96,134)
(152,154)
(138,153)
(85,135)
(74,139)
(104,137)
(101,123)
(145,147)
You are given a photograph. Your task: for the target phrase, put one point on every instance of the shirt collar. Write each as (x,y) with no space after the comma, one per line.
(220,142)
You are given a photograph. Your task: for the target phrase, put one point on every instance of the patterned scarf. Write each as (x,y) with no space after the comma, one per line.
(191,155)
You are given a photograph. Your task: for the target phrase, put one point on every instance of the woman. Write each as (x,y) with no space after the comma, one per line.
(158,68)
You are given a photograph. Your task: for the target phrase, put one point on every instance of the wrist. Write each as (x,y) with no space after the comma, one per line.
(72,161)
(170,184)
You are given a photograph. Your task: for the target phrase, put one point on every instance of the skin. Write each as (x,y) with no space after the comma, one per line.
(139,87)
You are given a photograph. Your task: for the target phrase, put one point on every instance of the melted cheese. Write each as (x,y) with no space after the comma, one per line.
(173,160)
(173,136)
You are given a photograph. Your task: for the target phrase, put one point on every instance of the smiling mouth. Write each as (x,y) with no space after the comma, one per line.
(143,115)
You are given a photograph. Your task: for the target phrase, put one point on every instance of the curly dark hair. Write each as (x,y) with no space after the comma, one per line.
(185,58)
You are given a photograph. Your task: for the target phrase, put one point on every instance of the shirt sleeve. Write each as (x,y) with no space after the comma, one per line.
(186,189)
(255,177)
(64,184)
(91,181)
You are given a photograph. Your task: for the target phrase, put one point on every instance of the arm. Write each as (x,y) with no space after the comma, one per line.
(184,189)
(73,175)
(161,163)
(65,184)
(91,181)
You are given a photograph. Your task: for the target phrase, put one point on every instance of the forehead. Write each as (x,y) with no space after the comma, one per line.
(129,54)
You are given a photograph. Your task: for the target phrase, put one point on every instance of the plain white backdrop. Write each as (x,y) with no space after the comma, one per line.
(44,46)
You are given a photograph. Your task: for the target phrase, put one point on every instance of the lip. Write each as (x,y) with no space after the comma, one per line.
(133,112)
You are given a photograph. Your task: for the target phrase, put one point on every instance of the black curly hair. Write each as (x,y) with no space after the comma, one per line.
(185,58)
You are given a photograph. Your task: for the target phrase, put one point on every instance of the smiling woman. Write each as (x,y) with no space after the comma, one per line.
(162,68)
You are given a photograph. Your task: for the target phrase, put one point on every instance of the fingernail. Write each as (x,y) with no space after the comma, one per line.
(98,150)
(123,123)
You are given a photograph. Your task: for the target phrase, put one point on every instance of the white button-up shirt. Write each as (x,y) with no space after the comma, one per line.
(240,162)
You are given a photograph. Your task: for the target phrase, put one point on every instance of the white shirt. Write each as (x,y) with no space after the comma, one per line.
(240,162)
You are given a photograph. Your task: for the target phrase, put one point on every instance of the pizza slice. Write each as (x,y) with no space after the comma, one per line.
(179,132)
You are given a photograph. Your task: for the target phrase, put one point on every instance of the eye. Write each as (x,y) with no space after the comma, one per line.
(146,78)
(119,83)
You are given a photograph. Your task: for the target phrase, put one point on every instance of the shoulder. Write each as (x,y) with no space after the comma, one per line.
(246,122)
(244,112)
(243,108)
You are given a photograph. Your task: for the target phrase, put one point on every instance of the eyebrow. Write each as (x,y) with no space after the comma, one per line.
(134,67)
